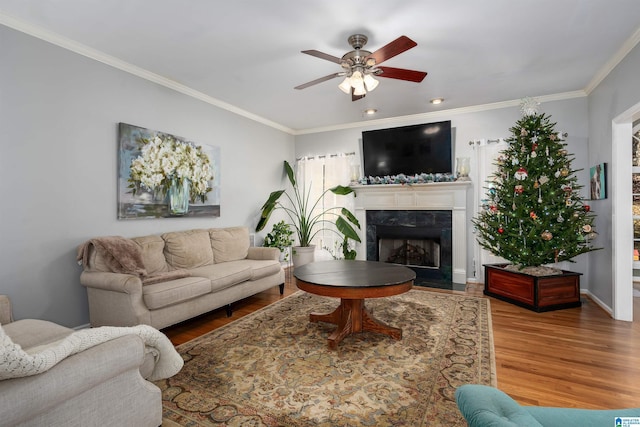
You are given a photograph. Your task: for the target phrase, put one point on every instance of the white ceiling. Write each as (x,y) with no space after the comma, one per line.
(246,53)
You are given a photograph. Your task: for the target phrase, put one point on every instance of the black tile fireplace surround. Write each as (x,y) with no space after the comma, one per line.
(415,224)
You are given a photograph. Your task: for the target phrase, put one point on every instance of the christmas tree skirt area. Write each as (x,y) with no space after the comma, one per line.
(537,293)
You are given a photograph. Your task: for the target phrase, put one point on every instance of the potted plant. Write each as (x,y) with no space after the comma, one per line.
(307,223)
(534,216)
(280,237)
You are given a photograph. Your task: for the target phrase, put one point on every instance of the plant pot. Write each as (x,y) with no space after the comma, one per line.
(303,255)
(537,293)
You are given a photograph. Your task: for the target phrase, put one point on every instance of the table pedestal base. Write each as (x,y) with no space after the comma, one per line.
(352,316)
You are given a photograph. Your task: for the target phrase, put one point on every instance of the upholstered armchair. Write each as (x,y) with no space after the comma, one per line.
(103,385)
(484,406)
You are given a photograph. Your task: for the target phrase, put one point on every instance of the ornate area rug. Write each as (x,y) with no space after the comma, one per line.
(273,367)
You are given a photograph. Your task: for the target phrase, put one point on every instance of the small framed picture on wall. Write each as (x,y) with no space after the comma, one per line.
(598,181)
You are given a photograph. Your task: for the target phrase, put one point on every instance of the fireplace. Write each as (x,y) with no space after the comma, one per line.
(404,206)
(421,240)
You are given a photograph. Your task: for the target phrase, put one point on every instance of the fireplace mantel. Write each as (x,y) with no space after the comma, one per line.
(450,196)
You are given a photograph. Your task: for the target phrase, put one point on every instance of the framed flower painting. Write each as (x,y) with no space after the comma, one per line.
(163,176)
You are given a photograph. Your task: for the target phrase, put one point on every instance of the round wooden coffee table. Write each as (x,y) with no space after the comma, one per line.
(353,281)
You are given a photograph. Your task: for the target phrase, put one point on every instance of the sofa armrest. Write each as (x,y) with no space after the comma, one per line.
(28,397)
(115,299)
(118,282)
(6,316)
(262,253)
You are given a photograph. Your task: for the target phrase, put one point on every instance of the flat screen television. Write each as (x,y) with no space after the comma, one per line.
(409,150)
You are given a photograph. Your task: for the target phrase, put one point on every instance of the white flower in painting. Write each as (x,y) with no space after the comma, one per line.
(164,159)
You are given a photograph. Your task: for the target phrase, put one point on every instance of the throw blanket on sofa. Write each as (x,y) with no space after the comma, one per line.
(16,363)
(120,254)
(123,255)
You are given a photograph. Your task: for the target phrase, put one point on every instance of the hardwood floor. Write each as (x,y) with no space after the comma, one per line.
(578,357)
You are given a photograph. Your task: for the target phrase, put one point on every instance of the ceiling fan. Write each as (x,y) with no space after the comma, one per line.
(361,65)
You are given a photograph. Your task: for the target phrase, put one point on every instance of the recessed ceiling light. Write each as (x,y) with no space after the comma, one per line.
(370,111)
(436,101)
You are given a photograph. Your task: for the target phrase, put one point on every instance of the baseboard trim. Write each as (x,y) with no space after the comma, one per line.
(597,301)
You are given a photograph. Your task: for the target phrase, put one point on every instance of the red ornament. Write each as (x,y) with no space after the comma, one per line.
(533,215)
(500,230)
(587,208)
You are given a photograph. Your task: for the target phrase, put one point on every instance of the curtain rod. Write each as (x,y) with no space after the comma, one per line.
(326,155)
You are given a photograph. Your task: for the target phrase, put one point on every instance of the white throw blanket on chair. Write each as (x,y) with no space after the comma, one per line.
(16,363)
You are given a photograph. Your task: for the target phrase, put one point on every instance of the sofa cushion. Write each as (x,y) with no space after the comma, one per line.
(29,333)
(163,294)
(229,244)
(188,249)
(224,275)
(152,253)
(263,268)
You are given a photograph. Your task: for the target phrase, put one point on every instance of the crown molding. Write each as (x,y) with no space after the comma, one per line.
(442,113)
(624,50)
(114,62)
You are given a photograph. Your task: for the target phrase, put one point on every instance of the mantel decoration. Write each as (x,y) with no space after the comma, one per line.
(534,214)
(305,217)
(162,175)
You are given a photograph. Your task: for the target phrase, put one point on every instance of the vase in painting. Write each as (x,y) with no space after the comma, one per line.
(179,197)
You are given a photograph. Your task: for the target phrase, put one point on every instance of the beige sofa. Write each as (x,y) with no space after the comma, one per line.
(184,274)
(100,386)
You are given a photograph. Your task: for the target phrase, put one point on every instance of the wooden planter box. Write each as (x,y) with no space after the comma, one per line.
(537,293)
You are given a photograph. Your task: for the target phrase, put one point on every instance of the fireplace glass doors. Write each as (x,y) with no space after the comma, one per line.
(420,240)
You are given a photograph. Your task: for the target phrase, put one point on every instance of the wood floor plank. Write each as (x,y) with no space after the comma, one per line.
(577,357)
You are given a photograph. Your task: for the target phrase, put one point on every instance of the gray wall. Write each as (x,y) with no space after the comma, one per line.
(59,113)
(618,92)
(569,114)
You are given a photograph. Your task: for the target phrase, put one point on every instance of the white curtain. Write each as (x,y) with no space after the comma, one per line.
(486,153)
(316,175)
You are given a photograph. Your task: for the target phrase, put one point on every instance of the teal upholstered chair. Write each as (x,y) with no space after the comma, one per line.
(484,406)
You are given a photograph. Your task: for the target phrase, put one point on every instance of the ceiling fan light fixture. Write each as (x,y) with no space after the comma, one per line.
(345,86)
(359,89)
(370,83)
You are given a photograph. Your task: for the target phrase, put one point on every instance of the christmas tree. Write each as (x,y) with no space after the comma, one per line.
(534,214)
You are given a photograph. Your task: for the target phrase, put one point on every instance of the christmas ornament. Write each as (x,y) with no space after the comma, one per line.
(546,235)
(564,172)
(562,152)
(533,215)
(560,218)
(586,208)
(523,132)
(552,137)
(521,174)
(500,230)
(543,179)
(586,228)
(519,189)
(534,155)
(536,184)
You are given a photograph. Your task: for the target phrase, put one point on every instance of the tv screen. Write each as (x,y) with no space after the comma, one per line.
(408,150)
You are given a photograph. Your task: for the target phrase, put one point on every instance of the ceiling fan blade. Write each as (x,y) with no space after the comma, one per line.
(355,97)
(402,74)
(323,55)
(320,80)
(396,47)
